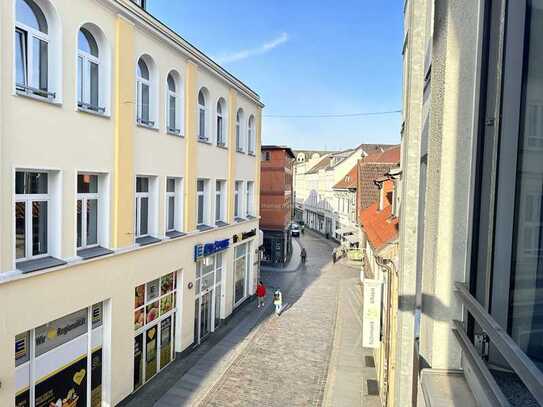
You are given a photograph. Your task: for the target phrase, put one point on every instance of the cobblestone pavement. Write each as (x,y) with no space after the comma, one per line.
(286,363)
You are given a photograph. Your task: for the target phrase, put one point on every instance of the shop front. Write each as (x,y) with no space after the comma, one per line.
(154,326)
(242,278)
(208,305)
(60,363)
(277,246)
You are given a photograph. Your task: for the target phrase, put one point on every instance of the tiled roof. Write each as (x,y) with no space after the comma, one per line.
(350,180)
(367,190)
(380,226)
(390,155)
(374,148)
(321,165)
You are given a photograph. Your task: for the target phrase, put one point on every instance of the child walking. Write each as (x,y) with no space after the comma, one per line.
(260,293)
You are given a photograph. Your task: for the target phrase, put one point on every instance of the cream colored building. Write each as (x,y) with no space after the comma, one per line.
(129,214)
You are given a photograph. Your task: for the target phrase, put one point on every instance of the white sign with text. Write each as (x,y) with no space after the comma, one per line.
(371,319)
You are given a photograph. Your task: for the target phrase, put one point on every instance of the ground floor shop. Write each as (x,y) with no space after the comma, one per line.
(320,222)
(277,246)
(124,316)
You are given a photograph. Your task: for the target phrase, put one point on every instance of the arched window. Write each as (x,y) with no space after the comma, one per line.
(202,115)
(88,72)
(32,49)
(221,127)
(143,77)
(239,134)
(173,121)
(251,135)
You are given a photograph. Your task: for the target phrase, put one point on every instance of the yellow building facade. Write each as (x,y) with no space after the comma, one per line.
(129,172)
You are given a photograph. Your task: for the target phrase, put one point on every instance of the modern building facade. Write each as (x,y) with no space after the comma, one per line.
(276,203)
(129,179)
(469,323)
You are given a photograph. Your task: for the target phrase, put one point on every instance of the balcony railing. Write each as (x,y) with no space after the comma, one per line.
(521,364)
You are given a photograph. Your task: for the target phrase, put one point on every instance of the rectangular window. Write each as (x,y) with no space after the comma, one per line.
(220,189)
(249,199)
(240,273)
(202,124)
(201,203)
(220,135)
(171,199)
(40,64)
(87,210)
(172,124)
(21,61)
(142,206)
(31,214)
(237,198)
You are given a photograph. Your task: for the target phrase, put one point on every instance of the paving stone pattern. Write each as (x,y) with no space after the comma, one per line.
(286,363)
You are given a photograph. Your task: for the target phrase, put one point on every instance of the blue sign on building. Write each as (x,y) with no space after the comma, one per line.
(207,249)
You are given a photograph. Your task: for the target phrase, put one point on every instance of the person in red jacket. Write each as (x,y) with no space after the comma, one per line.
(260,293)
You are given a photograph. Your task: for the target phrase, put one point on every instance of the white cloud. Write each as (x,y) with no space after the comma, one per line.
(247,53)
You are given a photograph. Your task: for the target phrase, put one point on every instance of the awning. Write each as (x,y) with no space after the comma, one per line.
(352,239)
(345,230)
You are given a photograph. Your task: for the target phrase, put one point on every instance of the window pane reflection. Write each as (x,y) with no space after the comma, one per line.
(526,313)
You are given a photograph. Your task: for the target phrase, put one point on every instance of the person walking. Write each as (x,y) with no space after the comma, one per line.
(303,254)
(260,293)
(278,301)
(334,254)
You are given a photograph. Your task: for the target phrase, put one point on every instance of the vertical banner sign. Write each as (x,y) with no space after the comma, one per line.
(371,319)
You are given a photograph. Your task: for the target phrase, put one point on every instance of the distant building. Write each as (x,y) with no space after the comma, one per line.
(276,204)
(345,196)
(316,201)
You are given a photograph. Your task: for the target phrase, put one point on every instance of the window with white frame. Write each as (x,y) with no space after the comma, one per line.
(242,266)
(239,130)
(88,199)
(32,50)
(249,198)
(220,201)
(88,72)
(238,191)
(202,115)
(32,214)
(221,122)
(170,204)
(174,107)
(142,206)
(251,135)
(201,202)
(144,94)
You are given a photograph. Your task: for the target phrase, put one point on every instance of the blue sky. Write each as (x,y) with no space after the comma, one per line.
(305,57)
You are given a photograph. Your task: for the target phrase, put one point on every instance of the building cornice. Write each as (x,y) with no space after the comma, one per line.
(143,19)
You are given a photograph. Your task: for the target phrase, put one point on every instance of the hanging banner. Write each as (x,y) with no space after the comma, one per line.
(371,319)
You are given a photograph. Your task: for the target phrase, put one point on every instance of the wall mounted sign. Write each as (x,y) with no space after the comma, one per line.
(371,321)
(242,236)
(207,249)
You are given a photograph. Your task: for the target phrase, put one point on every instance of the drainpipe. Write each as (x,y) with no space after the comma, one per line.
(390,268)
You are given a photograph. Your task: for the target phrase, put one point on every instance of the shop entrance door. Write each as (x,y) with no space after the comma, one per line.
(205,315)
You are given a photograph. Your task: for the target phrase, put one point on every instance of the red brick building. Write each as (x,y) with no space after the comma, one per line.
(276,203)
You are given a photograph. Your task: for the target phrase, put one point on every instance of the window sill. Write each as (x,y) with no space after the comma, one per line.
(174,234)
(239,220)
(147,240)
(240,151)
(38,98)
(93,252)
(93,113)
(204,141)
(147,126)
(204,228)
(221,224)
(29,266)
(174,133)
(223,146)
(251,153)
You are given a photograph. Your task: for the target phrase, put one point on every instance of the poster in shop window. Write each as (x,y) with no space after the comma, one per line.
(138,361)
(22,399)
(66,388)
(165,342)
(151,352)
(96,378)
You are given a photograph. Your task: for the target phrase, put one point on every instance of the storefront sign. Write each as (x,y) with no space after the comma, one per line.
(242,236)
(371,320)
(58,332)
(207,249)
